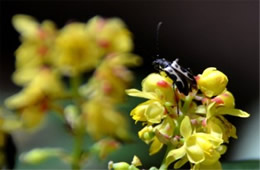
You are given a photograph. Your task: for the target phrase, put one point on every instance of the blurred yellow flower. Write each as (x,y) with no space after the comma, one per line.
(45,86)
(110,34)
(33,101)
(36,49)
(101,120)
(112,77)
(75,51)
(33,116)
(212,82)
(38,155)
(105,146)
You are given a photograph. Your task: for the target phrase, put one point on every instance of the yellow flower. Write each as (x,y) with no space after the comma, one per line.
(38,155)
(36,49)
(118,166)
(112,77)
(146,134)
(29,27)
(213,109)
(110,34)
(212,82)
(158,135)
(136,161)
(221,124)
(102,120)
(151,111)
(33,101)
(75,51)
(33,116)
(199,148)
(125,166)
(225,99)
(155,86)
(46,85)
(160,92)
(105,146)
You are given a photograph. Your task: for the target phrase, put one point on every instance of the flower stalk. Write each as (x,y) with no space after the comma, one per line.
(77,151)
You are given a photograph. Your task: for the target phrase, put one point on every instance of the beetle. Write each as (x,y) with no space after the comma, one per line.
(182,77)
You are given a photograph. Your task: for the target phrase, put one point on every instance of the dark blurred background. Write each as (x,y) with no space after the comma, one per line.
(202,33)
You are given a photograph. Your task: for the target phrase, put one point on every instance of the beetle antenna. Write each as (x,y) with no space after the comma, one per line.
(157,39)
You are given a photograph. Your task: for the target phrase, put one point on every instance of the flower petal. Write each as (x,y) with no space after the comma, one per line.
(201,109)
(232,112)
(186,128)
(215,166)
(215,130)
(180,163)
(154,112)
(175,154)
(195,153)
(25,24)
(155,147)
(138,93)
(215,140)
(211,110)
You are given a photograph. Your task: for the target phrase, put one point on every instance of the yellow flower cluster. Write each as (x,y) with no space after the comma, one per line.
(47,55)
(193,127)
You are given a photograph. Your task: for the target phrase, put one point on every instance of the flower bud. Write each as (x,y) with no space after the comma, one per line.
(71,115)
(212,82)
(160,85)
(154,112)
(224,99)
(36,156)
(105,146)
(121,166)
(136,161)
(164,131)
(146,134)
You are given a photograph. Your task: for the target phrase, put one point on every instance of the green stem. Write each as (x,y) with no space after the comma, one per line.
(164,166)
(77,152)
(75,82)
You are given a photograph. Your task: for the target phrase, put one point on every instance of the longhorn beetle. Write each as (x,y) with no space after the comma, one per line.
(182,77)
